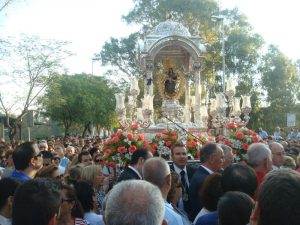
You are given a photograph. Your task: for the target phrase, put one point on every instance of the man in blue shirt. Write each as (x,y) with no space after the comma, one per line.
(263,134)
(28,161)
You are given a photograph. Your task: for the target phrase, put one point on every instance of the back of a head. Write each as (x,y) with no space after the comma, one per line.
(211,191)
(257,153)
(241,178)
(155,171)
(141,152)
(88,173)
(234,208)
(36,202)
(144,205)
(23,154)
(7,189)
(278,198)
(85,194)
(207,150)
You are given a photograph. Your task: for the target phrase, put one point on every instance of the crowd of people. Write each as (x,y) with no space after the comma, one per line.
(65,182)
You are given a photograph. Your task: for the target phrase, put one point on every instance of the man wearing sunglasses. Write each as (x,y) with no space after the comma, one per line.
(28,161)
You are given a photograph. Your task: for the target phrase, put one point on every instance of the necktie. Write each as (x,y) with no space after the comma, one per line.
(185,190)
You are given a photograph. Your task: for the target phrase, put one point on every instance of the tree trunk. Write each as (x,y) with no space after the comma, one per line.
(86,128)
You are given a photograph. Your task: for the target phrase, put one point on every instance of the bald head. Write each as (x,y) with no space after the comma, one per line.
(155,170)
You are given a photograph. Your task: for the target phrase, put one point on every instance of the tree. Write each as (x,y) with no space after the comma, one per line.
(29,67)
(280,79)
(80,99)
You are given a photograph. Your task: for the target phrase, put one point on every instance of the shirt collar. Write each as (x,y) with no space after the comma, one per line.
(207,169)
(178,170)
(137,172)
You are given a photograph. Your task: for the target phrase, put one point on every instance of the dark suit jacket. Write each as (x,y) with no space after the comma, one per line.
(195,186)
(128,174)
(190,172)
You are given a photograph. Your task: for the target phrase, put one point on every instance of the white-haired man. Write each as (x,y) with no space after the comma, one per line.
(134,202)
(157,172)
(260,159)
(278,154)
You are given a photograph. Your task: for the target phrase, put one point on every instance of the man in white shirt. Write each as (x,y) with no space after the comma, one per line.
(157,172)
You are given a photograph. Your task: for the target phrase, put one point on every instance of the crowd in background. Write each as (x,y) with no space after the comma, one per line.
(65,181)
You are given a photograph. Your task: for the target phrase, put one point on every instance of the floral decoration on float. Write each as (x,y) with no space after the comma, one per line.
(239,138)
(119,148)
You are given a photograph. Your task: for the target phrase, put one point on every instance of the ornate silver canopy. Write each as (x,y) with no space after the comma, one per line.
(169,28)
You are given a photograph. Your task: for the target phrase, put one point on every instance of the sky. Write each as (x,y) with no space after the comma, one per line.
(89,23)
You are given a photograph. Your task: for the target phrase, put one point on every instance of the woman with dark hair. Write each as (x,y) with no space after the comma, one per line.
(71,212)
(87,198)
(235,208)
(209,195)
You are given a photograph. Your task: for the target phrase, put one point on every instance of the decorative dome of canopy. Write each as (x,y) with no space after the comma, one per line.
(169,28)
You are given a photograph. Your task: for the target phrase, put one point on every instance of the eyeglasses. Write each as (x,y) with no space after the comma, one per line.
(66,200)
(98,160)
(38,155)
(279,153)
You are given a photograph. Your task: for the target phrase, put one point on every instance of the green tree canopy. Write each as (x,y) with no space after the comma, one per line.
(80,99)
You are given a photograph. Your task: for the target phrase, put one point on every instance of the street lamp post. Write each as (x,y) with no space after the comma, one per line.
(94,59)
(221,18)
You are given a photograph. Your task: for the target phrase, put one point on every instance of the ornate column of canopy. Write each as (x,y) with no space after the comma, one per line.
(197,115)
(187,105)
(148,82)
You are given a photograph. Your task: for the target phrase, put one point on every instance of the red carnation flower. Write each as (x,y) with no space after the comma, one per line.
(165,137)
(173,133)
(119,133)
(130,136)
(231,125)
(239,135)
(115,139)
(234,151)
(174,138)
(154,146)
(255,139)
(140,137)
(146,144)
(122,149)
(227,142)
(132,148)
(191,144)
(134,126)
(245,146)
(157,135)
(168,143)
(249,132)
(164,131)
(112,164)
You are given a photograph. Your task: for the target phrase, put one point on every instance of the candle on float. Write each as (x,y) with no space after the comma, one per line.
(120,101)
(213,104)
(203,111)
(230,85)
(246,101)
(139,114)
(236,105)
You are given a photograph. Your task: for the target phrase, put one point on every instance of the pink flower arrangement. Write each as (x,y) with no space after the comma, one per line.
(239,138)
(162,142)
(119,148)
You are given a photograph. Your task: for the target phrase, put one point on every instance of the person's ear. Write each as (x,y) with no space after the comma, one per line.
(169,179)
(164,222)
(254,218)
(10,200)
